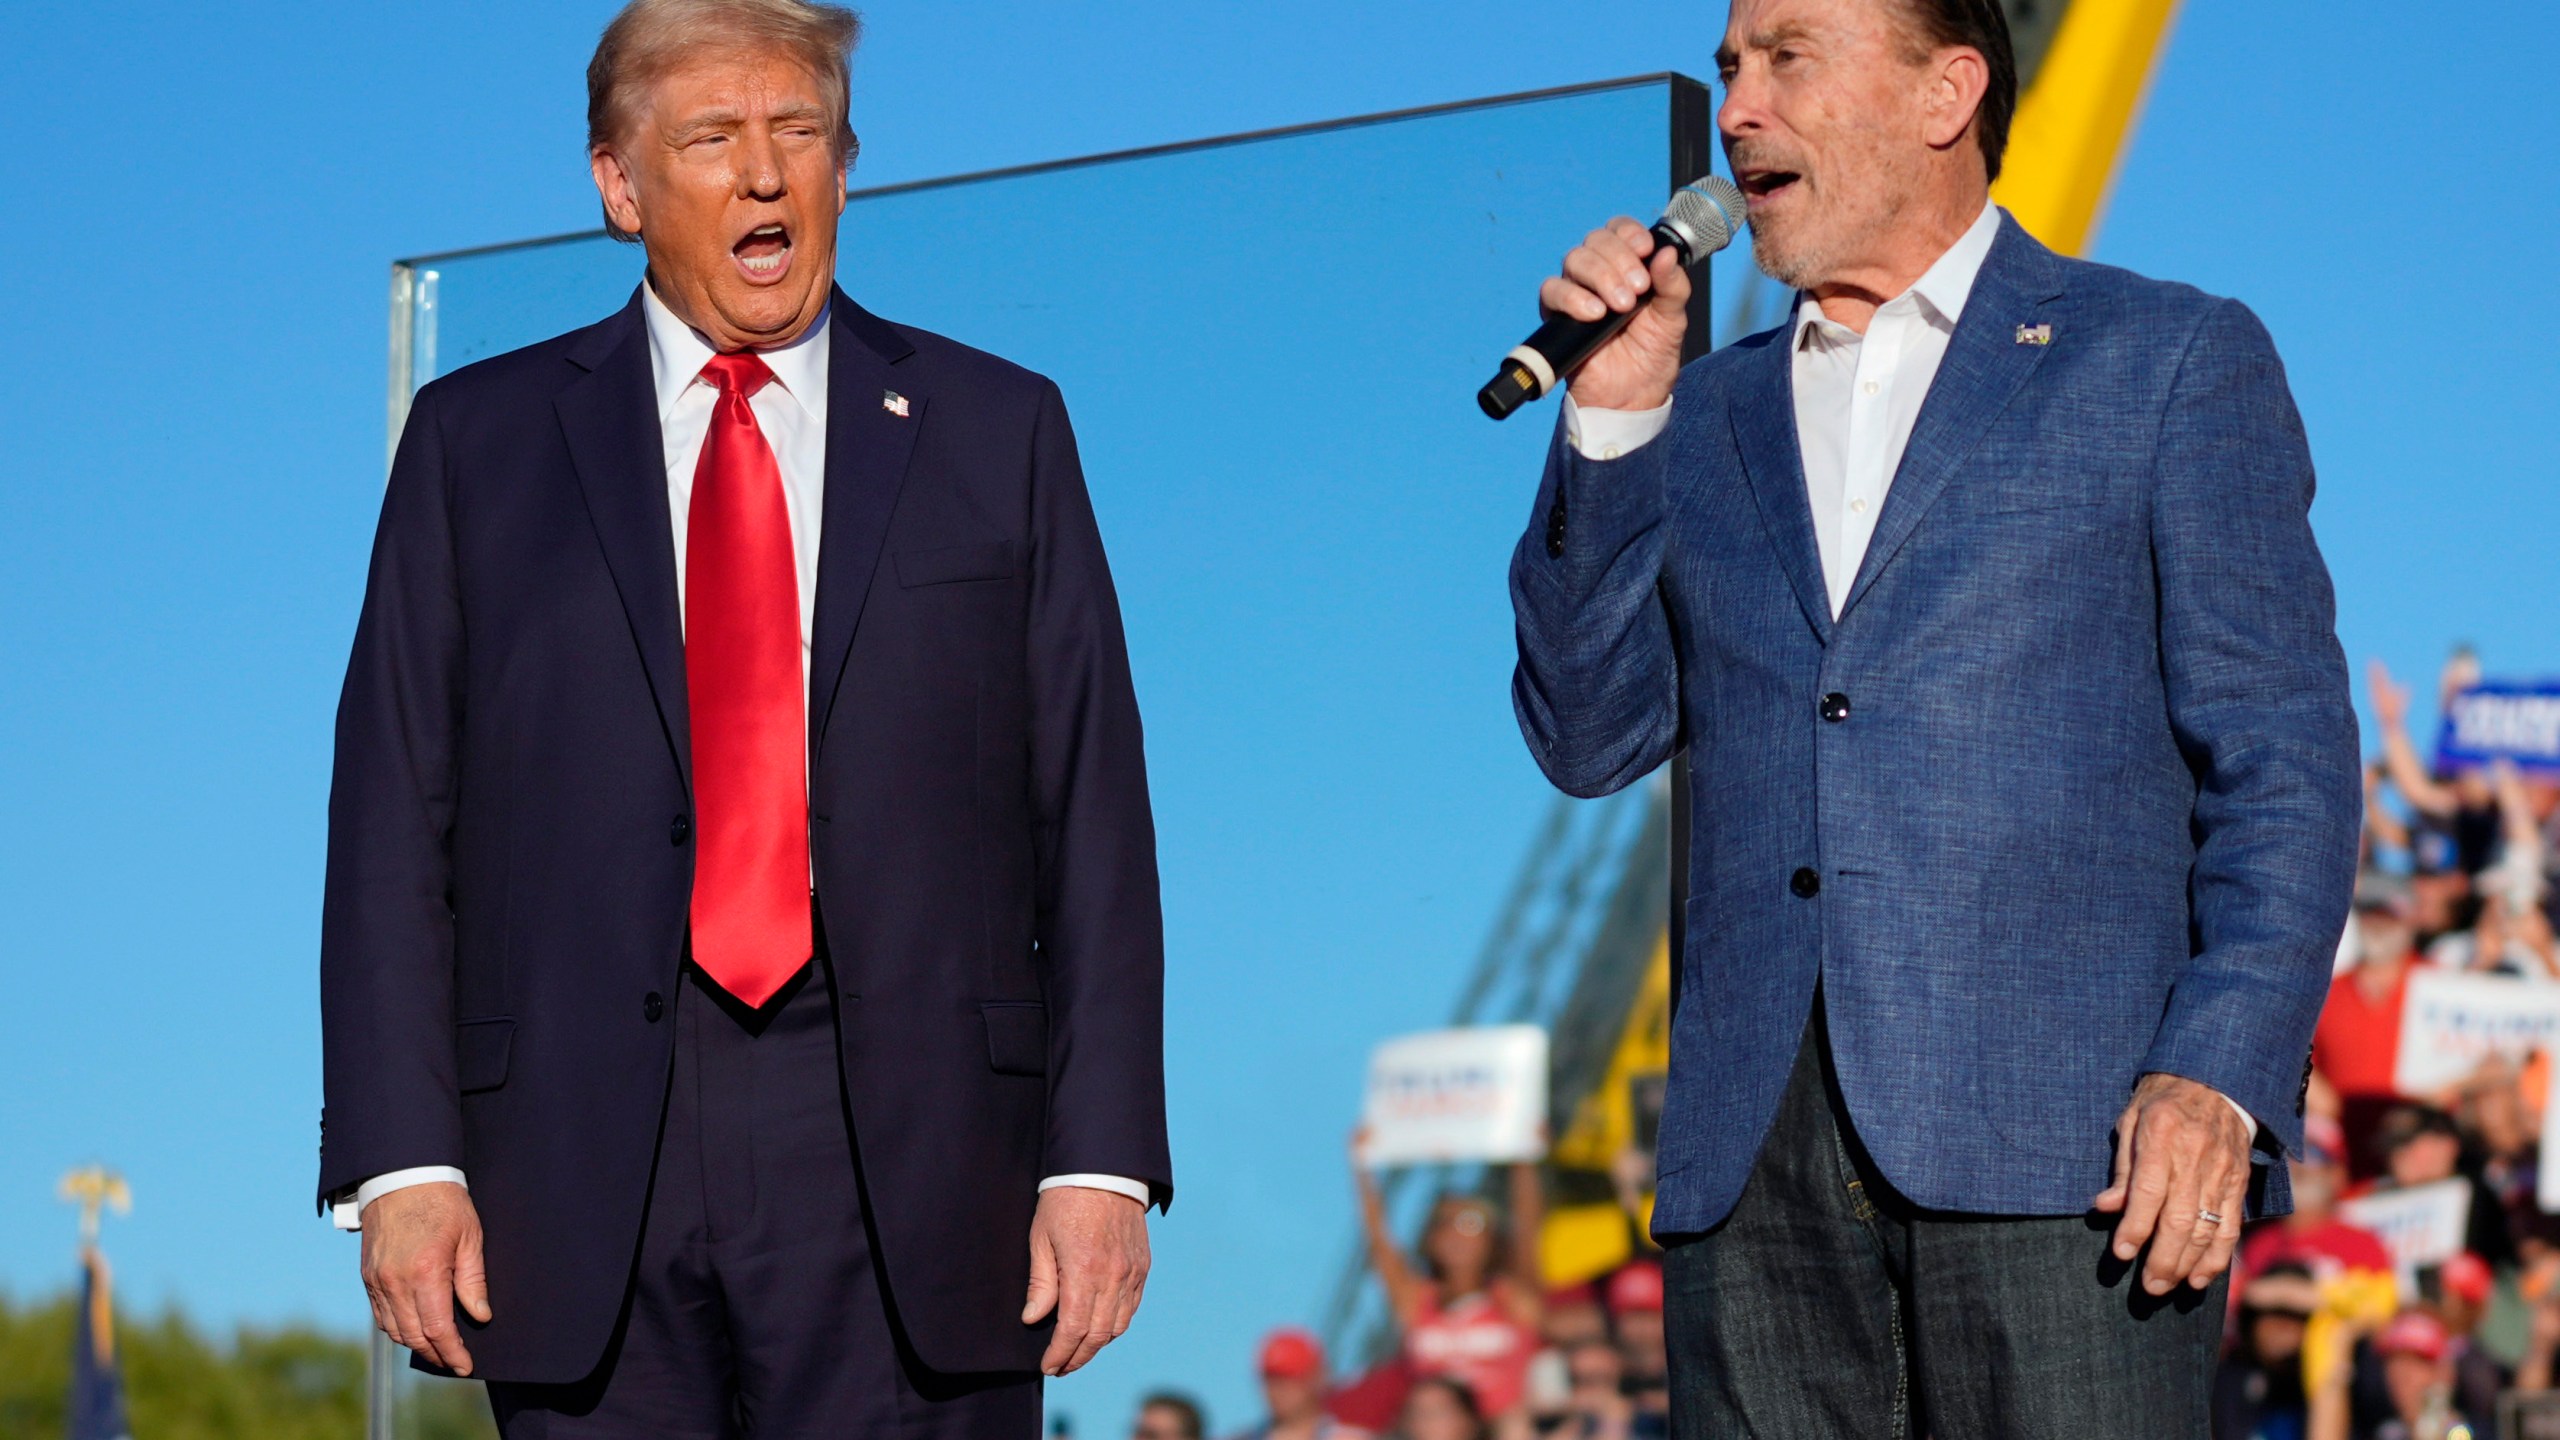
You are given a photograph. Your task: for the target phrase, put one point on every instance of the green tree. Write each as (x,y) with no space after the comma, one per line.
(295,1382)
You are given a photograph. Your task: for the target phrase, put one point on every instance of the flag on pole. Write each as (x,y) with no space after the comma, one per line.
(97,1384)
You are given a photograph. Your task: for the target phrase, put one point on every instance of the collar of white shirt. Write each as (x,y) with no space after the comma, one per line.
(679,352)
(1939,293)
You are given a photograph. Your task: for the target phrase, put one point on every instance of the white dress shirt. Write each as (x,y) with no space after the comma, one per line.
(1857,398)
(791,410)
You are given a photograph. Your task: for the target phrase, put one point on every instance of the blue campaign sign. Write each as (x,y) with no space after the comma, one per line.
(2516,720)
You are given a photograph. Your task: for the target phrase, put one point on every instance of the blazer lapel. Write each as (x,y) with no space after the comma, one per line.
(868,445)
(1983,371)
(1763,413)
(610,417)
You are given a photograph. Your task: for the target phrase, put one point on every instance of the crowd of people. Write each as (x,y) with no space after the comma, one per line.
(2334,1334)
(1484,1348)
(2337,1335)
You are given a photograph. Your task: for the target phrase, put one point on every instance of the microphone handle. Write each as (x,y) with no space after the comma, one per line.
(1559,347)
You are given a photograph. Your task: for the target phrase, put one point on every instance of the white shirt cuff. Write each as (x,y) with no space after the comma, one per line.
(1135,1189)
(2245,1117)
(1609,434)
(347,1211)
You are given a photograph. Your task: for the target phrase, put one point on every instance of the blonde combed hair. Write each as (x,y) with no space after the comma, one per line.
(651,37)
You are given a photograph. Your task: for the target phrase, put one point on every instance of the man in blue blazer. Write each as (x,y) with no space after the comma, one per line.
(742,965)
(2022,773)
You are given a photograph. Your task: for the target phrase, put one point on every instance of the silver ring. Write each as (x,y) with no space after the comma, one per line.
(2208,1217)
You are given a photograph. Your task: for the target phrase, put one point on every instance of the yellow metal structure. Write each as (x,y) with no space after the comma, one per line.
(2064,149)
(2073,120)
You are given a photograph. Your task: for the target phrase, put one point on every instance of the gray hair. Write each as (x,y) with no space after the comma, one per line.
(651,37)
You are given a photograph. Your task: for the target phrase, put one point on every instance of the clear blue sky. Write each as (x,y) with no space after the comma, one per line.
(192,261)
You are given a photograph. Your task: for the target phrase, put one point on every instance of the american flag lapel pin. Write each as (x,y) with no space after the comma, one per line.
(894,403)
(2035,334)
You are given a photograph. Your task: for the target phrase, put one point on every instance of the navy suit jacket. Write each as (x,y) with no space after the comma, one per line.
(2092,811)
(510,863)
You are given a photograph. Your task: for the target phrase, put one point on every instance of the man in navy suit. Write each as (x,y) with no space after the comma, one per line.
(2022,773)
(742,964)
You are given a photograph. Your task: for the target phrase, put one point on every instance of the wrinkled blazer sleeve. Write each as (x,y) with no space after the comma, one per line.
(1595,689)
(1100,926)
(386,931)
(2258,701)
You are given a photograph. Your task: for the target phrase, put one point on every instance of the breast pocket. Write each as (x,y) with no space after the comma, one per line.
(955,564)
(2047,493)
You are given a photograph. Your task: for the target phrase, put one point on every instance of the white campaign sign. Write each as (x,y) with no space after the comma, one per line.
(1455,1095)
(2421,1226)
(2546,1180)
(2454,1021)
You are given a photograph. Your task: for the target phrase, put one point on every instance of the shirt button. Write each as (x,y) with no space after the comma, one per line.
(1835,707)
(1609,452)
(679,830)
(652,1006)
(1858,506)
(1873,387)
(1806,884)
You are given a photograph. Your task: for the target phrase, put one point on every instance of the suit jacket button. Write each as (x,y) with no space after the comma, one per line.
(652,1006)
(679,830)
(1835,707)
(1806,884)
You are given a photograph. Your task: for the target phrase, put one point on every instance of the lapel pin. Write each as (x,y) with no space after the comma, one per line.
(896,404)
(2027,335)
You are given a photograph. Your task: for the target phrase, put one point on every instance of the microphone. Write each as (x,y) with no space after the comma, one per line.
(1700,220)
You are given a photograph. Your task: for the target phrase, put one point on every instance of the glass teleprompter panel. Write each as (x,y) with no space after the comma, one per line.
(1270,347)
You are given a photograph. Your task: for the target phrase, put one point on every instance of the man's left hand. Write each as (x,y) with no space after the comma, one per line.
(2181,1153)
(1088,1263)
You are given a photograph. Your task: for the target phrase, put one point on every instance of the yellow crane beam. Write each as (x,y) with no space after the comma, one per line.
(2073,121)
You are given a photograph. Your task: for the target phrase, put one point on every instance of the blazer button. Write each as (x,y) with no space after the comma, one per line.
(1806,884)
(652,1006)
(1835,707)
(1555,529)
(679,830)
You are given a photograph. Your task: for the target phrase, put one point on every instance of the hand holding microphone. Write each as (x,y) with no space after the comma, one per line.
(1617,314)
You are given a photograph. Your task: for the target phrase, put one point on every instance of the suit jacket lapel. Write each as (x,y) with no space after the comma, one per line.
(1984,368)
(1763,413)
(868,446)
(610,417)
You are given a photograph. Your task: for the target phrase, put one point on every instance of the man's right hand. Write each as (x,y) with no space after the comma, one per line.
(1620,268)
(421,1254)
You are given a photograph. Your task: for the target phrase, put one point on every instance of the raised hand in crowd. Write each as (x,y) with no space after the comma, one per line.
(2407,769)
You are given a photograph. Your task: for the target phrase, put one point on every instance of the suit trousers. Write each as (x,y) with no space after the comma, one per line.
(1828,1305)
(756,1311)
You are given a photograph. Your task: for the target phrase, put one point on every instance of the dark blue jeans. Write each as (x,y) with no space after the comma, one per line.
(1827,1305)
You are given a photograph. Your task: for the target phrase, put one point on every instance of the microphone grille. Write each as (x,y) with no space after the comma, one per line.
(1707,212)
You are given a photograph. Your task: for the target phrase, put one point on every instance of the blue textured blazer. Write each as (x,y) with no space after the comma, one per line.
(2091,811)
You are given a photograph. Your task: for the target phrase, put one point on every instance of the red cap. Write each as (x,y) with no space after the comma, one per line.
(2413,1333)
(1637,1287)
(1290,1353)
(2467,1275)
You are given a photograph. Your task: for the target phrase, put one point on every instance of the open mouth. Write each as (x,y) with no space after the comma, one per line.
(1760,186)
(764,253)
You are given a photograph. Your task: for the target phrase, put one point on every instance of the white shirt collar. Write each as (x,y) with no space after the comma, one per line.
(1944,287)
(678,352)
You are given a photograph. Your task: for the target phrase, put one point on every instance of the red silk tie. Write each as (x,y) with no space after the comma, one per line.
(742,683)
